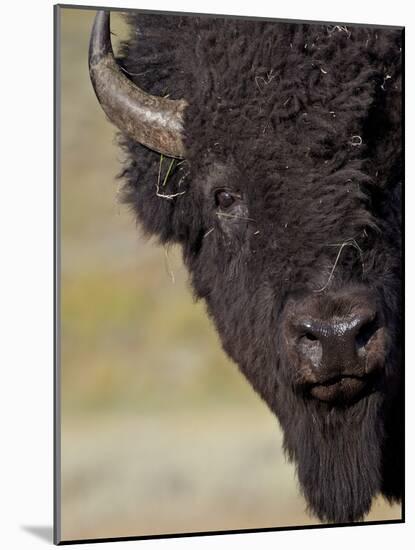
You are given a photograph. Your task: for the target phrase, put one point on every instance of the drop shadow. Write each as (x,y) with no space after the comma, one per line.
(44,532)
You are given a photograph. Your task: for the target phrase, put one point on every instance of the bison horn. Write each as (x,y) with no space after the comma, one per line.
(156,122)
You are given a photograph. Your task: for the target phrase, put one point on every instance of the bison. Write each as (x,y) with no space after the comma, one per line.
(271,152)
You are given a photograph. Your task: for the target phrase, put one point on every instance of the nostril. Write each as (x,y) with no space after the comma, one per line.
(306,330)
(310,336)
(365,332)
(307,342)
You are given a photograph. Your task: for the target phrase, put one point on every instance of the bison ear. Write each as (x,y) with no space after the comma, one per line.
(157,190)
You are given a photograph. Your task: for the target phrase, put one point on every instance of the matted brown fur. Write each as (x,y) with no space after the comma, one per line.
(302,122)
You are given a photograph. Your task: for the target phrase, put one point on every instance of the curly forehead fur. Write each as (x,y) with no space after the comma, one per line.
(303,122)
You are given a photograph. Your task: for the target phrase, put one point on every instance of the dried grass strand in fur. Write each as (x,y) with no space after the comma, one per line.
(269,78)
(168,266)
(350,242)
(339,28)
(130,73)
(226,215)
(163,195)
(356,141)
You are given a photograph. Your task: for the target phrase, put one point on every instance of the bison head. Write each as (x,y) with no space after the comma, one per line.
(287,208)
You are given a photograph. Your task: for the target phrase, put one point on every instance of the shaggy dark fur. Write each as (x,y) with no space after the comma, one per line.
(304,123)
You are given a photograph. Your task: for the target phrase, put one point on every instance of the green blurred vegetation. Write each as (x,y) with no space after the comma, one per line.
(160,432)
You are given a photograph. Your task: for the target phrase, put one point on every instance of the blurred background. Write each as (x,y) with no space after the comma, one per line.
(160,432)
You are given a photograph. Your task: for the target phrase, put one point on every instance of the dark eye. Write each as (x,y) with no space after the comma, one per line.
(224,199)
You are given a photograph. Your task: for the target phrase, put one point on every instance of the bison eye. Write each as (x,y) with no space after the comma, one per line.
(224,199)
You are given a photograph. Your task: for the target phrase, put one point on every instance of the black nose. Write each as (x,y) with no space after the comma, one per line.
(335,344)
